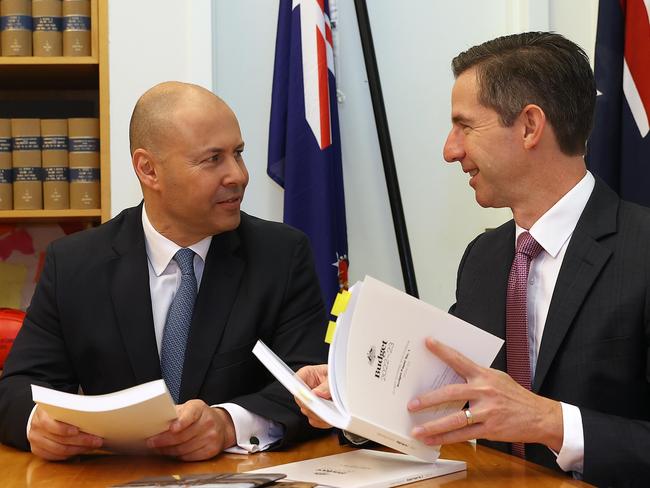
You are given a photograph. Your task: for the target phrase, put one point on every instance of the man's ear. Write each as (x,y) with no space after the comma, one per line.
(146,168)
(534,121)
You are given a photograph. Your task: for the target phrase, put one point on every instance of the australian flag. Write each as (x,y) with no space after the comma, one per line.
(304,141)
(619,147)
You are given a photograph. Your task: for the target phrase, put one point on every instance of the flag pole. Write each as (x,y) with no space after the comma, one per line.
(386,148)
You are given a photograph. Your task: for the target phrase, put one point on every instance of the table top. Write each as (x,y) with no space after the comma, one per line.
(485,467)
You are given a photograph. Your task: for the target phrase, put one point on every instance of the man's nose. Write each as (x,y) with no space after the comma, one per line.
(453,149)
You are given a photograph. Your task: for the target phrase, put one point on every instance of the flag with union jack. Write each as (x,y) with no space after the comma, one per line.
(619,146)
(304,143)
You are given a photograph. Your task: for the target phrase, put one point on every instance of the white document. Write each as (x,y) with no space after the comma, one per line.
(125,419)
(378,362)
(363,468)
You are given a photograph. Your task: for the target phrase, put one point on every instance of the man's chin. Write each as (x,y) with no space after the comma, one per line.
(227,223)
(482,200)
(490,202)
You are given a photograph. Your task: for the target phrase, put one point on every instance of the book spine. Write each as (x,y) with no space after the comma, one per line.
(76,27)
(83,157)
(6,173)
(404,480)
(54,133)
(16,27)
(26,163)
(48,27)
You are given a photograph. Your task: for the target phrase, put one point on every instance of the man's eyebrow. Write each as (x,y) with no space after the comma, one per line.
(459,119)
(216,150)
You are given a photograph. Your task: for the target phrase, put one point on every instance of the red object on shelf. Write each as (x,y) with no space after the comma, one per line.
(10,322)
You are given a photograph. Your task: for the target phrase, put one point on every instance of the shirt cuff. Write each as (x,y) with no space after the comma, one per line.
(29,422)
(253,433)
(572,454)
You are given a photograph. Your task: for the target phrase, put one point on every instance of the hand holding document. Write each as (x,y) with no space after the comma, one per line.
(124,419)
(378,361)
(315,377)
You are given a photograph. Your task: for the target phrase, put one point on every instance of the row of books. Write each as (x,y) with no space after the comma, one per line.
(50,164)
(45,27)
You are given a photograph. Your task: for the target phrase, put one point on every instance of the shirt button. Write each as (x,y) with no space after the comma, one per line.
(254,440)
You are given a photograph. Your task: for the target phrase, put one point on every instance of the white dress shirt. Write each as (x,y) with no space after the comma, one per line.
(553,232)
(253,433)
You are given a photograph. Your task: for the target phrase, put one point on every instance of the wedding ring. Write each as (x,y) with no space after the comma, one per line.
(469,416)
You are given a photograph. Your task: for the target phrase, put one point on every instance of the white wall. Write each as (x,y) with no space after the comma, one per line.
(414,46)
(576,19)
(172,43)
(244,50)
(414,52)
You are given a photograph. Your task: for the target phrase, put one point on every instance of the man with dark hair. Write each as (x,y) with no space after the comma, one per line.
(538,68)
(565,283)
(179,287)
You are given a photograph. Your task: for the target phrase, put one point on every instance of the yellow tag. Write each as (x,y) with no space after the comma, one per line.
(329,336)
(341,302)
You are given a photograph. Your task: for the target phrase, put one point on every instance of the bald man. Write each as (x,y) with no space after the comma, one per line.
(99,317)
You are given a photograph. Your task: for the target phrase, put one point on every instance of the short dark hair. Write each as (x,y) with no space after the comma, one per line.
(542,68)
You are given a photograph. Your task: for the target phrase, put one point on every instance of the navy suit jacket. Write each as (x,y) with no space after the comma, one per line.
(594,349)
(90,322)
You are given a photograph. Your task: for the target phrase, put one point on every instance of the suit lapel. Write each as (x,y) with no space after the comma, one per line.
(218,290)
(131,297)
(498,268)
(583,262)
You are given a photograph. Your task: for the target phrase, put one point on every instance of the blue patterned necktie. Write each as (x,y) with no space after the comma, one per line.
(177,326)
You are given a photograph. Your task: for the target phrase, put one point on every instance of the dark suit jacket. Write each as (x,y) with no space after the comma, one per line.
(594,350)
(90,321)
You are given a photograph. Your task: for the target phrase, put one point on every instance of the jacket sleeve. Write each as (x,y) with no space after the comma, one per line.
(38,356)
(616,450)
(298,338)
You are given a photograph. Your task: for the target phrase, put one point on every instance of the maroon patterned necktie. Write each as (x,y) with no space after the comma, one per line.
(517,354)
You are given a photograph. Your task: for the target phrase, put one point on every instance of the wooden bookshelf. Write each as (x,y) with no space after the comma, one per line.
(54,82)
(42,60)
(50,215)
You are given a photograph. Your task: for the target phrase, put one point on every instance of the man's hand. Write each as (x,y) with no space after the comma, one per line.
(56,441)
(501,409)
(316,378)
(199,433)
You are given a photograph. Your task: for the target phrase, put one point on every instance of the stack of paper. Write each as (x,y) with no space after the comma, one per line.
(378,361)
(125,419)
(364,469)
